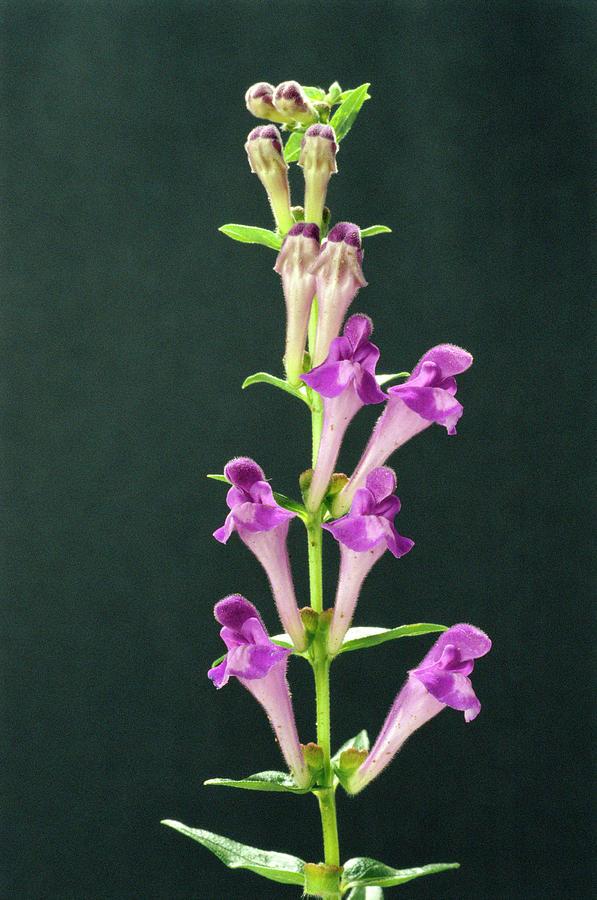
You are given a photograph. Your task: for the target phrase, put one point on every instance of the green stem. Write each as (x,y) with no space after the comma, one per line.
(327,794)
(314,535)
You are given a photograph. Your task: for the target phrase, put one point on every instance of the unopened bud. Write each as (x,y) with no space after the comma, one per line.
(290,100)
(299,251)
(318,161)
(264,149)
(338,277)
(260,102)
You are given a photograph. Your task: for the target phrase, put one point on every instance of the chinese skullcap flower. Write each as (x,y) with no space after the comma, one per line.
(427,396)
(262,526)
(299,251)
(346,381)
(260,666)
(440,680)
(318,161)
(264,149)
(260,102)
(291,101)
(364,535)
(338,276)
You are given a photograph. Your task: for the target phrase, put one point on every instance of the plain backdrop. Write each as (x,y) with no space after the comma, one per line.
(129,324)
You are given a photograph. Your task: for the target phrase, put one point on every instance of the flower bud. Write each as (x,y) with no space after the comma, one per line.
(291,101)
(264,149)
(318,162)
(338,277)
(260,102)
(299,251)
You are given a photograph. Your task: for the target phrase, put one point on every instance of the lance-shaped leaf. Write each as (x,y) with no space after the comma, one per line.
(375,229)
(314,93)
(357,638)
(364,872)
(383,379)
(279,867)
(250,234)
(266,378)
(292,150)
(262,781)
(348,110)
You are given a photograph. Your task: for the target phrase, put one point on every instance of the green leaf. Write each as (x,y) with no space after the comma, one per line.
(250,234)
(314,93)
(360,741)
(262,781)
(218,478)
(362,872)
(383,379)
(266,378)
(356,638)
(365,893)
(292,505)
(217,661)
(292,150)
(375,229)
(343,118)
(279,867)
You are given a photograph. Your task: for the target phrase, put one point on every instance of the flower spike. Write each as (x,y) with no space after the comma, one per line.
(262,526)
(264,149)
(338,276)
(427,396)
(440,680)
(364,535)
(299,251)
(260,666)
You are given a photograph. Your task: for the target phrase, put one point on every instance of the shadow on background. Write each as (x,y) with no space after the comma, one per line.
(130,323)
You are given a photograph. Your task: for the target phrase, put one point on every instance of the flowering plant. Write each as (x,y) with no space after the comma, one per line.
(334,375)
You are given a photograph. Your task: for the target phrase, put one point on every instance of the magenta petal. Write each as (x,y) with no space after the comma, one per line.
(359,533)
(368,389)
(381,482)
(233,611)
(432,403)
(358,329)
(470,642)
(453,689)
(254,660)
(219,674)
(450,360)
(330,378)
(243,472)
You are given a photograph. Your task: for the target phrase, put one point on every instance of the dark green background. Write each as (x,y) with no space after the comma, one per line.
(129,324)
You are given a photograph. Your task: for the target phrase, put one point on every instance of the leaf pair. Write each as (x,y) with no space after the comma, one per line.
(359,875)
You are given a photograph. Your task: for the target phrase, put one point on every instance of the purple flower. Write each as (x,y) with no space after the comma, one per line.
(346,381)
(259,665)
(426,396)
(364,534)
(338,276)
(299,251)
(264,149)
(318,162)
(439,681)
(262,526)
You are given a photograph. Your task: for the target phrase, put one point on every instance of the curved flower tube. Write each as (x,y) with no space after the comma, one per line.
(346,381)
(262,526)
(260,666)
(440,680)
(338,276)
(299,251)
(264,149)
(364,535)
(426,396)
